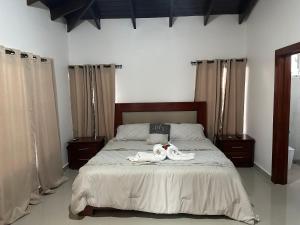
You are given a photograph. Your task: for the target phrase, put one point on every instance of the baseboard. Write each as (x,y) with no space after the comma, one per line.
(66,166)
(261,170)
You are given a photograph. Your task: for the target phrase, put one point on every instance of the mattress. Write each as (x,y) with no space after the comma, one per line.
(206,185)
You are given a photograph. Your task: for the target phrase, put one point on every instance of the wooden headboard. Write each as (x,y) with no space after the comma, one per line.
(198,107)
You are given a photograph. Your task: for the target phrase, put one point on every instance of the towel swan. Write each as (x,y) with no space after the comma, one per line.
(160,153)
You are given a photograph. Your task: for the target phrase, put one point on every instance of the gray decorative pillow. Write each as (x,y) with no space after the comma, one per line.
(187,131)
(133,132)
(157,139)
(159,128)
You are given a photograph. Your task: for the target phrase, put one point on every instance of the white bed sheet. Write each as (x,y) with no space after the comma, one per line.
(207,185)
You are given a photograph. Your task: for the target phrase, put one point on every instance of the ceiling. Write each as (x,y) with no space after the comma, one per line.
(75,11)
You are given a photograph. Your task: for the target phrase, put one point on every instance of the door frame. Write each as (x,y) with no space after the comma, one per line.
(281,113)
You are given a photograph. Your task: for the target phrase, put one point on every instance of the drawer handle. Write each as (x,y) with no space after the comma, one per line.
(83,149)
(83,159)
(237,147)
(238,157)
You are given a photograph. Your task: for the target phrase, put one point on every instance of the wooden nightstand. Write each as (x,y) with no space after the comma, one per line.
(81,150)
(239,149)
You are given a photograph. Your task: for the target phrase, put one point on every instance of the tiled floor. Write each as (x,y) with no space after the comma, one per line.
(275,204)
(294,174)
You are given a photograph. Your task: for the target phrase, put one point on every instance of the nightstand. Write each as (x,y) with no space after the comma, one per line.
(239,149)
(81,150)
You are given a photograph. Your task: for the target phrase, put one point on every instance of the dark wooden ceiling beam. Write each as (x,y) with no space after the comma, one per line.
(209,8)
(171,16)
(98,24)
(74,18)
(30,2)
(247,11)
(96,16)
(133,14)
(66,8)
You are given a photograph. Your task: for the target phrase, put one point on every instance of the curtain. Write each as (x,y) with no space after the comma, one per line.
(30,159)
(18,176)
(44,117)
(81,101)
(105,100)
(93,100)
(221,83)
(209,88)
(234,97)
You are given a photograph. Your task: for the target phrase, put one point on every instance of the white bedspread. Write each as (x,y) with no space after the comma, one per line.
(206,185)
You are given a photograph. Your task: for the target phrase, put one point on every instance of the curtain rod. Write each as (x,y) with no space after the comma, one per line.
(106,66)
(212,61)
(23,55)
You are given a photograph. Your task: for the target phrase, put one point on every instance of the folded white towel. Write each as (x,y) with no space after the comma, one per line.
(156,156)
(161,152)
(174,154)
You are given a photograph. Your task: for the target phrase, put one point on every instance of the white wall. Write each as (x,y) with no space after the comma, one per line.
(273,24)
(30,29)
(156,58)
(295,117)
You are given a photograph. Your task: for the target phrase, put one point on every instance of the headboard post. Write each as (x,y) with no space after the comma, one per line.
(199,107)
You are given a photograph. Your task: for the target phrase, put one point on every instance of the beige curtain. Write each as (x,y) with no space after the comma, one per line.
(105,100)
(209,88)
(29,137)
(18,177)
(221,84)
(81,101)
(234,97)
(44,116)
(93,97)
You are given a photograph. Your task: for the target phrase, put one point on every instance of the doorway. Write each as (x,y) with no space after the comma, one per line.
(281,115)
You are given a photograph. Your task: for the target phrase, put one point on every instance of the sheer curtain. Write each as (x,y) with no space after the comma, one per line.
(21,134)
(221,83)
(93,100)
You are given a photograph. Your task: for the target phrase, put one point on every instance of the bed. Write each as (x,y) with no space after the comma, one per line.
(207,185)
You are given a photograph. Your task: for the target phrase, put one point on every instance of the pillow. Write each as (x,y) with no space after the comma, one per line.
(187,131)
(159,128)
(157,139)
(133,132)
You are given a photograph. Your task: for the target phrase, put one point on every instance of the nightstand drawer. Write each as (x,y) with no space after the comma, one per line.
(236,146)
(239,149)
(81,162)
(81,150)
(240,158)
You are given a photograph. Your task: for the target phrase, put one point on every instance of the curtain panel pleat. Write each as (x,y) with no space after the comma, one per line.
(46,130)
(17,161)
(29,137)
(105,101)
(81,101)
(93,100)
(221,84)
(208,88)
(234,97)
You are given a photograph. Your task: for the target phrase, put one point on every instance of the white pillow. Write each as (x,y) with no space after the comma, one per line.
(133,132)
(157,139)
(187,131)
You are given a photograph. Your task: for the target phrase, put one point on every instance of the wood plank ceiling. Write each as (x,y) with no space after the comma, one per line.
(75,11)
